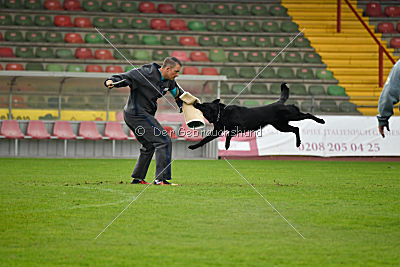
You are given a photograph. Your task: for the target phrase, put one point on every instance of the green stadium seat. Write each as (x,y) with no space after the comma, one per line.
(35,37)
(34,66)
(328,106)
(308,106)
(129,7)
(75,68)
(247,72)
(215,26)
(244,41)
(130,67)
(110,6)
(14,4)
(44,52)
(324,75)
(93,38)
(5,19)
(259,10)
(185,9)
(236,56)
(231,101)
(240,89)
(273,56)
(292,102)
(195,25)
(336,90)
(24,52)
(23,20)
(277,10)
(293,57)
(140,24)
(130,38)
(114,38)
(141,55)
(229,72)
(267,73)
(64,53)
(33,4)
(54,37)
(259,89)
(55,67)
(233,26)
(289,26)
(225,41)
(301,42)
(255,56)
(275,89)
(316,90)
(224,89)
(268,102)
(169,40)
(270,26)
(312,58)
(251,26)
(217,55)
(91,5)
(305,74)
(120,23)
(240,10)
(126,54)
(160,55)
(221,9)
(298,89)
(251,103)
(101,22)
(150,40)
(263,42)
(286,73)
(43,21)
(348,107)
(204,9)
(207,41)
(14,36)
(281,41)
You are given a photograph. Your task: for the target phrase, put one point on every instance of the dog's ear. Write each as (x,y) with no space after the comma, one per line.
(216,101)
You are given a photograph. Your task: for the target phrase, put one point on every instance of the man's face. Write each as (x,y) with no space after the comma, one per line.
(171,73)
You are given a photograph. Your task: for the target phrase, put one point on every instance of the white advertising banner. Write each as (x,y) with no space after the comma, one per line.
(339,136)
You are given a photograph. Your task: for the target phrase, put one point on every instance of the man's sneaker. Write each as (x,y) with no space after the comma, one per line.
(163,182)
(139,181)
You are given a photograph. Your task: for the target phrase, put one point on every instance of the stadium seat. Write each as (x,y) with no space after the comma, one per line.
(224,89)
(251,103)
(398,27)
(114,69)
(244,41)
(166,9)
(128,7)
(147,7)
(316,90)
(37,130)
(122,54)
(84,53)
(324,75)
(1,68)
(74,68)
(206,41)
(293,57)
(259,10)
(88,130)
(10,130)
(307,106)
(120,23)
(130,38)
(222,9)
(240,89)
(55,67)
(150,40)
(82,22)
(94,68)
(14,36)
(62,130)
(170,40)
(259,89)
(240,10)
(305,73)
(191,71)
(267,73)
(336,90)
(233,26)
(195,25)
(374,10)
(91,5)
(215,26)
(277,10)
(348,107)
(199,56)
(251,26)
(114,131)
(392,11)
(14,4)
(23,20)
(43,20)
(395,42)
(188,41)
(24,52)
(64,53)
(63,21)
(289,26)
(281,41)
(270,26)
(229,72)
(328,106)
(93,38)
(298,89)
(255,56)
(74,38)
(263,42)
(386,27)
(52,5)
(178,25)
(160,55)
(35,37)
(72,5)
(34,66)
(141,55)
(312,58)
(203,9)
(275,89)
(181,55)
(114,38)
(185,9)
(247,72)
(110,6)
(225,41)
(301,42)
(273,56)
(218,55)
(209,71)
(140,24)
(5,19)
(101,22)
(286,73)
(103,54)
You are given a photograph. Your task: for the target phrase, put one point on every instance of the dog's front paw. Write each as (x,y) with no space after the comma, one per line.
(192,147)
(321,121)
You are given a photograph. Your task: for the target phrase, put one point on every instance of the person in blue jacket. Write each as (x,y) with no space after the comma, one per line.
(389,97)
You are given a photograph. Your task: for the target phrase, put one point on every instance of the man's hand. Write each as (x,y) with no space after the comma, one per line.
(109,84)
(382,128)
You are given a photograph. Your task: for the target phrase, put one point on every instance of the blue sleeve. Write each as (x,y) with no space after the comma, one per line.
(174,92)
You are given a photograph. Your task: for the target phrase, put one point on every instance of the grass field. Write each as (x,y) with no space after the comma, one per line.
(52,209)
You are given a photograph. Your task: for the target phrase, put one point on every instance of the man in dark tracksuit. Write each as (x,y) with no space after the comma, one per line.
(147,84)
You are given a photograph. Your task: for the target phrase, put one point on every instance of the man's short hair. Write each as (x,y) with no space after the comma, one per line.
(171,62)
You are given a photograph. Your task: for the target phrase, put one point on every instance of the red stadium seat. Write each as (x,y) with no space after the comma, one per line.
(395,42)
(94,68)
(386,27)
(178,25)
(188,41)
(63,130)
(147,7)
(159,24)
(11,130)
(6,52)
(398,27)
(392,11)
(83,22)
(374,10)
(209,71)
(114,131)
(166,9)
(53,5)
(199,56)
(181,55)
(132,135)
(1,68)
(191,71)
(88,130)
(72,5)
(170,131)
(84,53)
(103,54)
(14,66)
(37,130)
(114,69)
(1,37)
(74,38)
(63,21)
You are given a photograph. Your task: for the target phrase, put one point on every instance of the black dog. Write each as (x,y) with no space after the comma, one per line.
(235,119)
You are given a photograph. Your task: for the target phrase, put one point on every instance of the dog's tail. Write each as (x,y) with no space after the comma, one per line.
(284,93)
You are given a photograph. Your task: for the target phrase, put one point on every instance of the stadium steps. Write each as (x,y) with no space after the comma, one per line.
(352,55)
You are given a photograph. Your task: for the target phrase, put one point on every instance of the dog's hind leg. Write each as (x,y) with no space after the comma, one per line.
(286,128)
